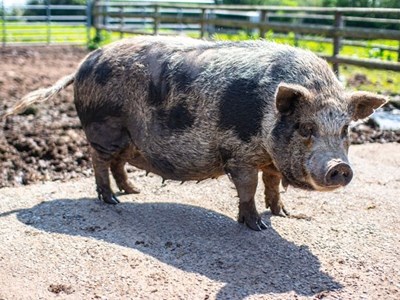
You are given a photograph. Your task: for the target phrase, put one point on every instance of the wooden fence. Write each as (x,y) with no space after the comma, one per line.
(330,24)
(45,23)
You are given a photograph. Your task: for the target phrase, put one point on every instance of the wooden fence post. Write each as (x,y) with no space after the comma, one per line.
(398,53)
(156,18)
(211,27)
(48,15)
(121,22)
(203,23)
(179,17)
(263,20)
(337,40)
(97,19)
(89,10)
(3,23)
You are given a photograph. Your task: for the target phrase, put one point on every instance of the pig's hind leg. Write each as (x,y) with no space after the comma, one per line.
(109,141)
(101,165)
(118,171)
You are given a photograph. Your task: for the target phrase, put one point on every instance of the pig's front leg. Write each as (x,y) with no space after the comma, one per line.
(271,178)
(245,180)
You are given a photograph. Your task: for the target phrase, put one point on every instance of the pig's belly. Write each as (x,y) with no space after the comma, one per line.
(185,164)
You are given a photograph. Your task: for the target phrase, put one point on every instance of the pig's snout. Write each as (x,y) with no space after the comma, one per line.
(339,174)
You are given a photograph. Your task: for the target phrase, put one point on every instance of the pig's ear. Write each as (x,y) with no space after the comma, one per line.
(363,104)
(288,95)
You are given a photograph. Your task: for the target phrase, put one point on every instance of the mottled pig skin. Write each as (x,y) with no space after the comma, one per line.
(189,109)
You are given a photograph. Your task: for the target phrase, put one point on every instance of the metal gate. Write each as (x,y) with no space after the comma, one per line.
(44,23)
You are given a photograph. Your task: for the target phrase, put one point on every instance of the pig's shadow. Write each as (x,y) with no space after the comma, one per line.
(192,239)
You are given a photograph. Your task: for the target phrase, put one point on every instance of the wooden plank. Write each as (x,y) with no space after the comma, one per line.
(360,44)
(260,7)
(366,63)
(203,23)
(263,19)
(156,20)
(338,23)
(328,31)
(398,53)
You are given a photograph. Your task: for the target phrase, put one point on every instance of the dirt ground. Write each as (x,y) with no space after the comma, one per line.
(46,142)
(177,241)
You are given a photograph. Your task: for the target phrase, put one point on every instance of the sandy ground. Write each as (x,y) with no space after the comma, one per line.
(177,241)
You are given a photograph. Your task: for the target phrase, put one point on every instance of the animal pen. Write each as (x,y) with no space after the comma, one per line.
(337,26)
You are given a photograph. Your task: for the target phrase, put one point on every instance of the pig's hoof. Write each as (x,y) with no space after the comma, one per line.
(130,190)
(285,212)
(277,209)
(281,212)
(110,199)
(254,223)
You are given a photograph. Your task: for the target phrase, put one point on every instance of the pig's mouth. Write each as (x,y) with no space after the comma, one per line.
(297,184)
(323,188)
(308,184)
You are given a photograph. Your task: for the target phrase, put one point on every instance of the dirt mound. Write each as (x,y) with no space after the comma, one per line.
(46,142)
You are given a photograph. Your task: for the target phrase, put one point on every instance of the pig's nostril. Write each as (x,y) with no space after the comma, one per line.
(340,174)
(334,173)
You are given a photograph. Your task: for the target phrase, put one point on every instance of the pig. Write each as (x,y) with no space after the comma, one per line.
(189,109)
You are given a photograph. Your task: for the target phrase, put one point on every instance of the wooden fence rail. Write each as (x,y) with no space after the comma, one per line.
(261,19)
(48,26)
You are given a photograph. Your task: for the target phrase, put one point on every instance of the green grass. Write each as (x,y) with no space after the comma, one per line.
(378,81)
(37,32)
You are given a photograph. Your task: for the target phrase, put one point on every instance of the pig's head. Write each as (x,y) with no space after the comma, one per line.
(309,141)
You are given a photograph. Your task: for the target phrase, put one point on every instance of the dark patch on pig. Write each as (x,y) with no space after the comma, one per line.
(180,118)
(99,111)
(284,129)
(158,91)
(279,70)
(241,108)
(177,118)
(103,73)
(225,155)
(183,77)
(108,137)
(88,65)
(154,94)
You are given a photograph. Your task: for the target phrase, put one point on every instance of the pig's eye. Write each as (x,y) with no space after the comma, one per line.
(345,131)
(306,130)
